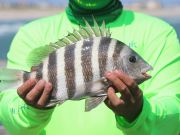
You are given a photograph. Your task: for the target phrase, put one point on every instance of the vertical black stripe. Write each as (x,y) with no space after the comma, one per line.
(116,55)
(52,72)
(69,58)
(86,55)
(26,76)
(39,72)
(103,54)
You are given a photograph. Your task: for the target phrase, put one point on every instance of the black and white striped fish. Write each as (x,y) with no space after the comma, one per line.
(76,64)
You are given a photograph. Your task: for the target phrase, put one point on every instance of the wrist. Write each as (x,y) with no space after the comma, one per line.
(123,124)
(131,116)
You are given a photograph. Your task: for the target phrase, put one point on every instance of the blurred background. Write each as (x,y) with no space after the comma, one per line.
(15,13)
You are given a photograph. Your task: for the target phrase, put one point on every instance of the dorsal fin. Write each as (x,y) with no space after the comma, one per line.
(37,55)
(103,29)
(96,28)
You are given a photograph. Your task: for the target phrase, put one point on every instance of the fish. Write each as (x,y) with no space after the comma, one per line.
(76,64)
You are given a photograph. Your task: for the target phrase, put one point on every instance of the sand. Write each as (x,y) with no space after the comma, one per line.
(16,14)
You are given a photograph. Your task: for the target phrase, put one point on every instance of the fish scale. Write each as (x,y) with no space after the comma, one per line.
(69,70)
(61,78)
(52,72)
(103,54)
(86,63)
(79,71)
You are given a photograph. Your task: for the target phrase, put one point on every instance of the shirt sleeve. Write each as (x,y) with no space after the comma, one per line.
(161,108)
(27,38)
(17,117)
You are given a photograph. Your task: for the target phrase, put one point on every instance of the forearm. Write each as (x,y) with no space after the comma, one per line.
(160,115)
(19,118)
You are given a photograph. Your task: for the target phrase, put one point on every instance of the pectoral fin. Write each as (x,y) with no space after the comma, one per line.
(92,102)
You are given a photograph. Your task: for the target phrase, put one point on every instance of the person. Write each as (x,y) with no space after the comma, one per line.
(155,109)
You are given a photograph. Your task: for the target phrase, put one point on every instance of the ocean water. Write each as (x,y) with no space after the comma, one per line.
(9,28)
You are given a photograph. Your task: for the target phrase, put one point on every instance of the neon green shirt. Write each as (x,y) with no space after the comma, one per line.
(152,38)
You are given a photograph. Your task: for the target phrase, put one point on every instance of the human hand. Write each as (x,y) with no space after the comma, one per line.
(35,94)
(129,105)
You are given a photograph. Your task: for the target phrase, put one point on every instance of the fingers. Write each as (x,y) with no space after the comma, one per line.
(34,93)
(121,87)
(113,98)
(45,95)
(130,103)
(129,82)
(26,87)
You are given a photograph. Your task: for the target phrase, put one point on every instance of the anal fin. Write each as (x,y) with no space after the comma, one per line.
(92,102)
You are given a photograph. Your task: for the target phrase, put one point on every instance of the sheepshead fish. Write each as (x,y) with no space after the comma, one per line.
(76,64)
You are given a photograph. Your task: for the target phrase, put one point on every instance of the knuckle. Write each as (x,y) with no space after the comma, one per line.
(39,86)
(30,82)
(37,90)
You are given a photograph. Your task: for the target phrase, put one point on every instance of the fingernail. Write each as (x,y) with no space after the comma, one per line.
(116,71)
(108,73)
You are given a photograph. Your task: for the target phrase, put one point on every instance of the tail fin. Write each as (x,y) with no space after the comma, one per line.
(9,78)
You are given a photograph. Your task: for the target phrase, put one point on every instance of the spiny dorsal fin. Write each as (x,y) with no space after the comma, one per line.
(77,35)
(108,33)
(96,28)
(72,38)
(83,32)
(103,29)
(89,27)
(39,54)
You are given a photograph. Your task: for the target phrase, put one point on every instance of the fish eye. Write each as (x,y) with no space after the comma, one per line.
(132,59)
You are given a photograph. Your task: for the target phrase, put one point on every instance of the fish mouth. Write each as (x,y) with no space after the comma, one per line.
(144,72)
(145,75)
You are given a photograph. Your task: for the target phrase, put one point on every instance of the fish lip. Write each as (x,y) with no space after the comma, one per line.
(145,75)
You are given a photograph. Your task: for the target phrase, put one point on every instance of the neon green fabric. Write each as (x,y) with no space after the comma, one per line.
(152,38)
(108,14)
(92,4)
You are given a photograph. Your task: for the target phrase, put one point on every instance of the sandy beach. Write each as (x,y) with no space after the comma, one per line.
(15,14)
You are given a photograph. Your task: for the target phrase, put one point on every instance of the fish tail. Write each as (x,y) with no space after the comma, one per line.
(10,78)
